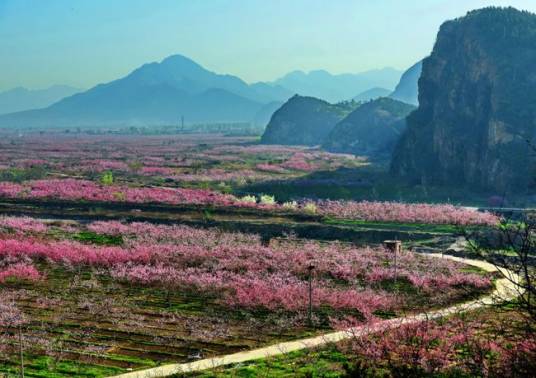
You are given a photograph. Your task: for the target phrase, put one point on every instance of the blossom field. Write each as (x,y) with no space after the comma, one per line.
(482,343)
(203,170)
(184,160)
(84,190)
(94,291)
(168,286)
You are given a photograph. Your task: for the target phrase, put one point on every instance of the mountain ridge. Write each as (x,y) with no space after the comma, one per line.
(304,120)
(154,93)
(370,130)
(337,87)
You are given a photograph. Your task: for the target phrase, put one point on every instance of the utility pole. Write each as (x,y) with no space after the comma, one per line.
(21,351)
(396,250)
(395,246)
(310,309)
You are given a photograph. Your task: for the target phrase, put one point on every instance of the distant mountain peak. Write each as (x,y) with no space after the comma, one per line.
(319,73)
(295,73)
(180,62)
(372,94)
(407,89)
(338,87)
(20,98)
(175,58)
(157,93)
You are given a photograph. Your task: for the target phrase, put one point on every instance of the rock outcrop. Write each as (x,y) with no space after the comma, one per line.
(372,129)
(477,96)
(304,121)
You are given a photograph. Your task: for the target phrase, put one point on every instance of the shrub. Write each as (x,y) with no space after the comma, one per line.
(310,208)
(248,199)
(107,178)
(267,199)
(292,205)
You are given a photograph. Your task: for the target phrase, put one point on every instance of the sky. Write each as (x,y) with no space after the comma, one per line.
(85,42)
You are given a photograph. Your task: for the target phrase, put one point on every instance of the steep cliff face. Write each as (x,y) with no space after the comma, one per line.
(371,130)
(304,121)
(477,96)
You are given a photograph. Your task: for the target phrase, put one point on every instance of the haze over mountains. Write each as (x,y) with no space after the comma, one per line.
(336,88)
(475,126)
(155,94)
(370,124)
(165,92)
(19,99)
(372,94)
(475,95)
(407,89)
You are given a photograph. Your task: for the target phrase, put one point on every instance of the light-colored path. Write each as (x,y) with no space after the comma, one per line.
(505,289)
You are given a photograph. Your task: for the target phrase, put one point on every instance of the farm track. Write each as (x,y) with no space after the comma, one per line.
(505,289)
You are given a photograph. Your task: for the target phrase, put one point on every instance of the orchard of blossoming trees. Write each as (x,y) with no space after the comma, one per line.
(70,189)
(184,159)
(179,170)
(176,276)
(483,343)
(104,293)
(246,272)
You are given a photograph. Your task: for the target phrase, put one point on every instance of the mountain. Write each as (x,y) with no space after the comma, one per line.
(272,92)
(19,99)
(407,89)
(304,121)
(477,96)
(155,93)
(263,116)
(372,94)
(372,129)
(336,88)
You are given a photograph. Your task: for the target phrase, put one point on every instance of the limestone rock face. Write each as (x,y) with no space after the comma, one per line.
(304,121)
(371,130)
(477,106)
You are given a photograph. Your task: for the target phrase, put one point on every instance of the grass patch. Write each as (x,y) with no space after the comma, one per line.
(433,228)
(42,366)
(328,363)
(91,237)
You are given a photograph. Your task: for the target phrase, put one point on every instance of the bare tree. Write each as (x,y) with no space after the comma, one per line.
(512,249)
(11,318)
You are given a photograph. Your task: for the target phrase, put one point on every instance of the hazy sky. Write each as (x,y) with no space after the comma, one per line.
(85,42)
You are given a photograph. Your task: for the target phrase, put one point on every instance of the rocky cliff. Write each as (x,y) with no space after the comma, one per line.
(372,129)
(477,96)
(304,121)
